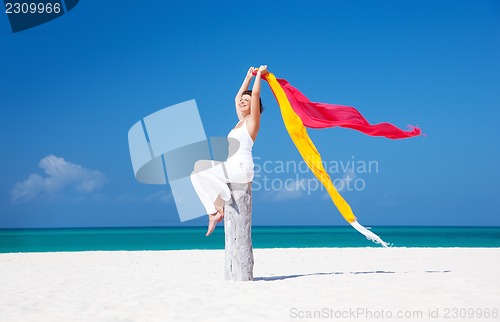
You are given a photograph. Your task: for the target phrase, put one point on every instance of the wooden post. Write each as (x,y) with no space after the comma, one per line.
(238,233)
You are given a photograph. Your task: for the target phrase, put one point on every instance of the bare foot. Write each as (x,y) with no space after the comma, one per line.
(221,212)
(213,219)
(219,206)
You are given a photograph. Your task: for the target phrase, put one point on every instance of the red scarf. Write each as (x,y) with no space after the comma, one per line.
(323,115)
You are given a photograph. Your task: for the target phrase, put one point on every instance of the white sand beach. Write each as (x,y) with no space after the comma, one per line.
(340,284)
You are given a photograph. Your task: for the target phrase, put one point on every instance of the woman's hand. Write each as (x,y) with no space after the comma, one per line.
(262,70)
(250,72)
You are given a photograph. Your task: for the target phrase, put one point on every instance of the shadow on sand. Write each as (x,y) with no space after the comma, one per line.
(284,277)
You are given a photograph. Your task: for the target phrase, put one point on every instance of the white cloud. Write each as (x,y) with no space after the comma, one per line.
(346,182)
(59,175)
(291,190)
(162,196)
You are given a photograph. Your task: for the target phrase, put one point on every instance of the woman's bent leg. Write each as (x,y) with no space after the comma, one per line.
(210,183)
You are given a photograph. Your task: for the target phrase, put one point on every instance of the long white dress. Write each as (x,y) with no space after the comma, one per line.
(210,178)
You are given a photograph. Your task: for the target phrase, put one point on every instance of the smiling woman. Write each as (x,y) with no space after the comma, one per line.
(210,178)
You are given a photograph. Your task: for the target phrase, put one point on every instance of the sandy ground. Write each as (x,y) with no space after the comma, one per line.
(336,284)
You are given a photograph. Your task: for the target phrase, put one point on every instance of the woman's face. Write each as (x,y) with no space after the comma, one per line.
(245,104)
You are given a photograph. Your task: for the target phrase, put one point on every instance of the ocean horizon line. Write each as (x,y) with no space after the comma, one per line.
(261,226)
(193,237)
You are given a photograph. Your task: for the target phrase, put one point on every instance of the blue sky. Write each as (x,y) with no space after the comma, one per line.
(71,89)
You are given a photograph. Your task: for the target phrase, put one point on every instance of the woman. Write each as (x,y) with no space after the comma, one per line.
(209,177)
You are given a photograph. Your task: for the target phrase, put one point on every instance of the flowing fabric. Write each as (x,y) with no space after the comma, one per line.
(322,115)
(298,112)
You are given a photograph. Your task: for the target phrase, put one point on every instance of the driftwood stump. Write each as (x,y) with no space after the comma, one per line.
(238,233)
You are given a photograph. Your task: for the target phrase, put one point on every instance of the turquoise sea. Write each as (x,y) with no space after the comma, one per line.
(172,238)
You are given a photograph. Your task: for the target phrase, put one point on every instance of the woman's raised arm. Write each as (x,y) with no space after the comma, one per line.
(244,87)
(255,102)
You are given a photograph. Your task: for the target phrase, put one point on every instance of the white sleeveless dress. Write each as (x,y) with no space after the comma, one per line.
(210,178)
